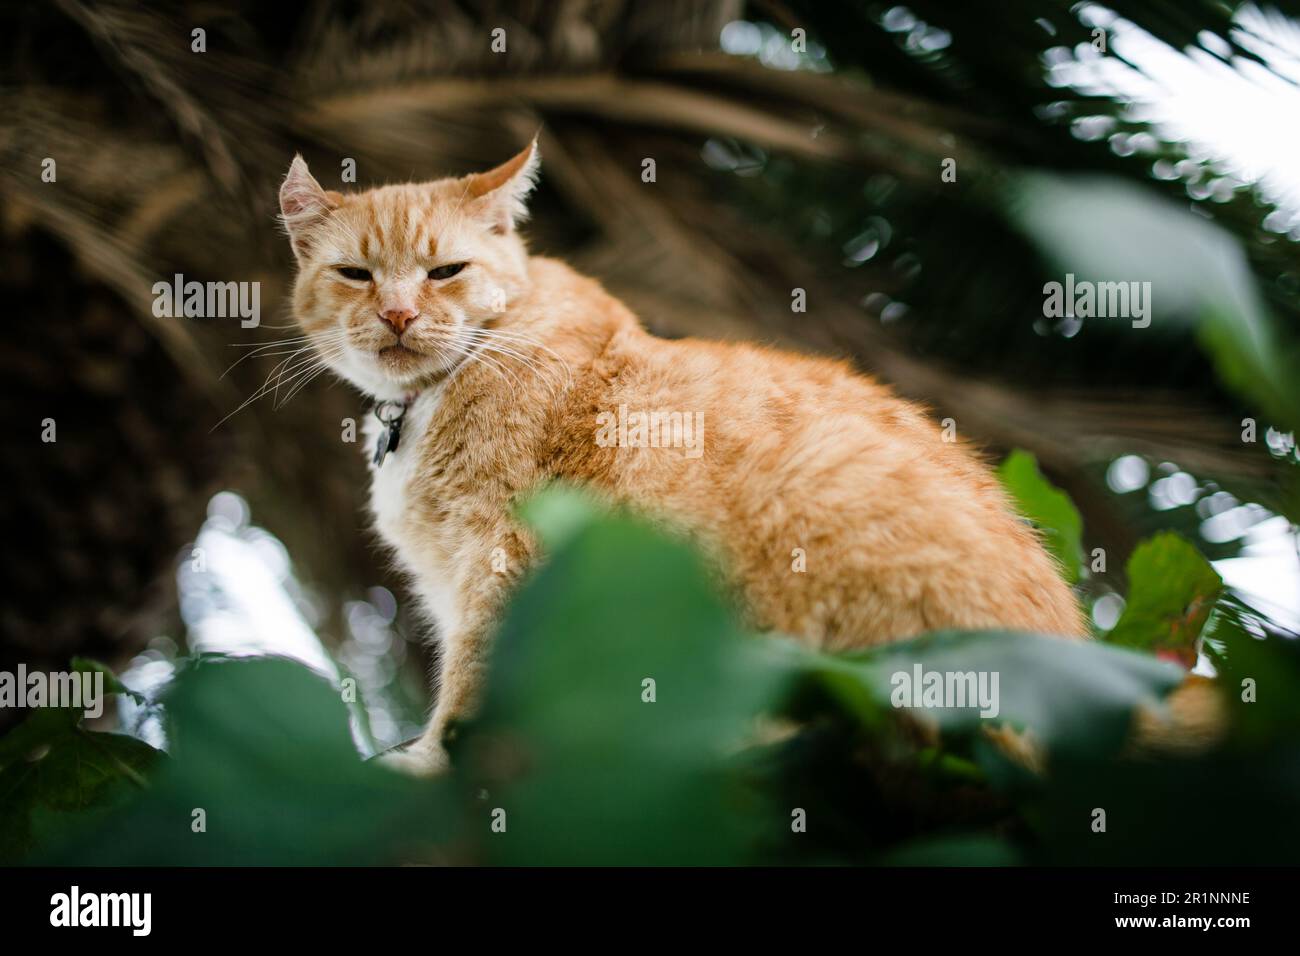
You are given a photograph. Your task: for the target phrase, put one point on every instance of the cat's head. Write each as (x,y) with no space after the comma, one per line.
(393,282)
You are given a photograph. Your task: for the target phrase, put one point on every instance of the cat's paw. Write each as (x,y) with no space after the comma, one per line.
(420,759)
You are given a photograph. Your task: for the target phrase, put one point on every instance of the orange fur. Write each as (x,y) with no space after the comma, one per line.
(900,531)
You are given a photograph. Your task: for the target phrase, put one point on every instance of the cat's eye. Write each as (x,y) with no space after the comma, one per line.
(352,272)
(447,271)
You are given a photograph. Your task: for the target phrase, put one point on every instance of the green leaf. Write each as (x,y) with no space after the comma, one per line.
(1172,590)
(558,513)
(1049,508)
(586,769)
(263,749)
(1104,229)
(43,726)
(1076,696)
(1259,676)
(53,768)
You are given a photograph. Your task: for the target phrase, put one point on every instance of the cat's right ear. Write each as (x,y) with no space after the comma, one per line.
(304,205)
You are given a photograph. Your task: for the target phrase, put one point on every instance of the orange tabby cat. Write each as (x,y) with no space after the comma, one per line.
(839,512)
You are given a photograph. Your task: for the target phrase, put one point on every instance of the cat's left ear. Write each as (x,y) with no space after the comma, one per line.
(500,194)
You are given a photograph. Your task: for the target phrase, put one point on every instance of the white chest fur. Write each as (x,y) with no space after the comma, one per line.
(391,505)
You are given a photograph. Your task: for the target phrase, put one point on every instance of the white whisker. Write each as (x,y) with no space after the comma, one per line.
(257,349)
(556,380)
(473,355)
(286,371)
(515,338)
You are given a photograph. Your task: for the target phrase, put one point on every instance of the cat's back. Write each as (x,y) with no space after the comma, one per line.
(848,513)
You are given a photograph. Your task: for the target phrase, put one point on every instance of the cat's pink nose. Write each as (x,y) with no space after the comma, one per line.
(399,319)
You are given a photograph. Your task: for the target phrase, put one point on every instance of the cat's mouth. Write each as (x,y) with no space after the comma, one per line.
(402,360)
(400,355)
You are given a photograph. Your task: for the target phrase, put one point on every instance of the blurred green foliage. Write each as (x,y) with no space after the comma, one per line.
(50,766)
(263,772)
(631,720)
(1101,229)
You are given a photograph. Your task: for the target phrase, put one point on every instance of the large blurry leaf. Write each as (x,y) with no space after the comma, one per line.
(1077,696)
(262,747)
(1172,590)
(50,768)
(585,769)
(1047,507)
(1260,679)
(1104,229)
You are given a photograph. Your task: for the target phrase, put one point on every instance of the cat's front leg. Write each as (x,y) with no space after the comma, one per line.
(462,672)
(483,591)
